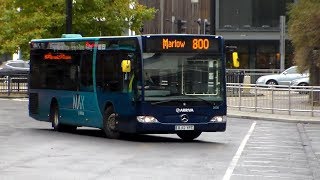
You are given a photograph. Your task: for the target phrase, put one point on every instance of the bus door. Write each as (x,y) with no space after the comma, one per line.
(84,101)
(114,86)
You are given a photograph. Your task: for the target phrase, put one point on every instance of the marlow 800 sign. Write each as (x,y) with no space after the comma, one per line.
(196,44)
(182,44)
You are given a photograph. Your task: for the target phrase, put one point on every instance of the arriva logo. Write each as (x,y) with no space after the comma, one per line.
(184,110)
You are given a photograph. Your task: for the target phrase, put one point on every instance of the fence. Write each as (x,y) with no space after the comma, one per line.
(18,82)
(14,85)
(292,100)
(237,75)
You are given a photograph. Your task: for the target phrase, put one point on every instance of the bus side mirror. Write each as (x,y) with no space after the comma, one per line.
(126,66)
(235,60)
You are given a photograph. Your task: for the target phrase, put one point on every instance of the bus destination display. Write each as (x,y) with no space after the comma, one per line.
(181,44)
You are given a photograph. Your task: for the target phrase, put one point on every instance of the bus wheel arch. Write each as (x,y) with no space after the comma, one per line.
(108,105)
(54,118)
(54,115)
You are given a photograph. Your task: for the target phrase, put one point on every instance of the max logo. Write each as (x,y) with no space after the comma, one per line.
(78,102)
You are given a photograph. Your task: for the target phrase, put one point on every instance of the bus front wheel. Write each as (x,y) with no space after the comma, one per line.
(109,124)
(188,135)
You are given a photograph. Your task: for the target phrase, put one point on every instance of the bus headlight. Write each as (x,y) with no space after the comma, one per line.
(219,119)
(147,119)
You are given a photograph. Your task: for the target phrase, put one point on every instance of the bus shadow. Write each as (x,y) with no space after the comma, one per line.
(152,138)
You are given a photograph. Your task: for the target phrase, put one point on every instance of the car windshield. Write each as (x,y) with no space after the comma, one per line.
(293,70)
(170,77)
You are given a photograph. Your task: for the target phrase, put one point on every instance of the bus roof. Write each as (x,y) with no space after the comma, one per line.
(190,35)
(68,38)
(74,37)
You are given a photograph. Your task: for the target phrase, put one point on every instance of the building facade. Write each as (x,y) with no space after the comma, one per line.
(251,25)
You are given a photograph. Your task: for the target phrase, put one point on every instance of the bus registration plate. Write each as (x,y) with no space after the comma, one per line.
(184,127)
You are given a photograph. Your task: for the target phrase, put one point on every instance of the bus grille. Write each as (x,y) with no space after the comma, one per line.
(33,103)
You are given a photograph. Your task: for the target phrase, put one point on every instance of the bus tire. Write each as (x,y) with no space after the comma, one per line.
(55,120)
(109,124)
(188,135)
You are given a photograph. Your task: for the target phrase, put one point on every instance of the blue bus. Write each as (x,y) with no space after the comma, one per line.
(145,84)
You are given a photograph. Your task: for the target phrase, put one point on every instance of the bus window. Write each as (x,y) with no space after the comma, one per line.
(86,80)
(58,74)
(108,71)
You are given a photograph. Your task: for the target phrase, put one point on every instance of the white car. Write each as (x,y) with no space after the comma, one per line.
(283,78)
(301,82)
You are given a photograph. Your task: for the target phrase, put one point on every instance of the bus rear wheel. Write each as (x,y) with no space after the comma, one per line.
(188,135)
(110,123)
(55,120)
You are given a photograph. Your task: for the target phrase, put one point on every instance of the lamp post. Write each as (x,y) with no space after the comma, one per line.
(282,42)
(213,16)
(68,16)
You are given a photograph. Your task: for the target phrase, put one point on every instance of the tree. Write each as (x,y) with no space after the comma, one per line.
(304,31)
(23,20)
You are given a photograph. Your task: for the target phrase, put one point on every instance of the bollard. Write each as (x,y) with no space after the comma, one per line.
(9,85)
(246,84)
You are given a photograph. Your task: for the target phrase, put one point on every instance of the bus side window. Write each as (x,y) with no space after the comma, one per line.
(108,72)
(71,74)
(86,80)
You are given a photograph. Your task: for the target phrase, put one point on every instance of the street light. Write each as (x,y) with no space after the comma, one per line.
(181,25)
(213,16)
(206,26)
(199,25)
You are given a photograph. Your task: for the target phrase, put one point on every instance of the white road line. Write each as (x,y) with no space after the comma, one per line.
(24,99)
(14,99)
(236,157)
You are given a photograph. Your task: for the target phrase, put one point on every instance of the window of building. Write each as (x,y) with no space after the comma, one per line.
(266,56)
(251,14)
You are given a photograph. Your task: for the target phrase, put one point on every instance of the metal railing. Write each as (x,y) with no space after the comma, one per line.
(13,84)
(292,100)
(237,75)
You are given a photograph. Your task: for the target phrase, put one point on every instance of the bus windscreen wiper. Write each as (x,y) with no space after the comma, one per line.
(167,101)
(181,100)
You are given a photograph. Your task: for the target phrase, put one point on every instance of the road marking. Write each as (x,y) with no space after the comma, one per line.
(236,157)
(15,99)
(24,99)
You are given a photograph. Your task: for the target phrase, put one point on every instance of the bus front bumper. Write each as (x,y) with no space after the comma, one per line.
(168,128)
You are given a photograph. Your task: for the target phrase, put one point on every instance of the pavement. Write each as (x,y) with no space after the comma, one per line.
(272,117)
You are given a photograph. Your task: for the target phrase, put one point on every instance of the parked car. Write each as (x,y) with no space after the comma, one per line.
(300,82)
(13,67)
(283,78)
(16,70)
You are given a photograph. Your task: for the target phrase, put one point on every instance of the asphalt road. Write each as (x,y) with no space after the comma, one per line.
(249,149)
